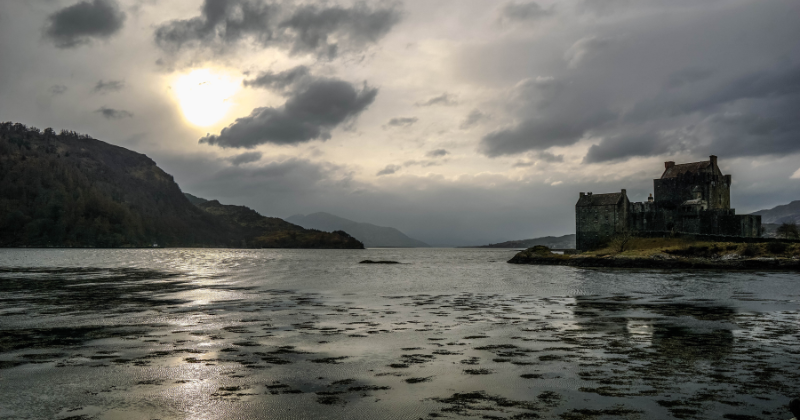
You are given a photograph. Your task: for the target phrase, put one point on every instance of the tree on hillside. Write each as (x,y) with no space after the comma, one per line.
(788,231)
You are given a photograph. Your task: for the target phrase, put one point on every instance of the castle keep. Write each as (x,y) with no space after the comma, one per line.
(693,198)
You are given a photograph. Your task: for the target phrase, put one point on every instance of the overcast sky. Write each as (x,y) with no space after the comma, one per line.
(459,122)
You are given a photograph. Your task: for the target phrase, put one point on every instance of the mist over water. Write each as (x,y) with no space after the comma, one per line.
(455,333)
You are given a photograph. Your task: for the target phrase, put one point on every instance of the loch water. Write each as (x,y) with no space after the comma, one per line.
(450,333)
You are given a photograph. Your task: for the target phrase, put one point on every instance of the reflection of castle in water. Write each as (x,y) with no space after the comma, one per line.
(692,198)
(621,318)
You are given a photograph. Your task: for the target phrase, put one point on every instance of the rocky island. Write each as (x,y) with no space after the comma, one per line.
(674,253)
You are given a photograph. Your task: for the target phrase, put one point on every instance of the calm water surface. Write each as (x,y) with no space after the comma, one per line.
(452,333)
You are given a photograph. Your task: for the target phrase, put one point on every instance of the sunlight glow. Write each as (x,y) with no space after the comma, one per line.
(204,96)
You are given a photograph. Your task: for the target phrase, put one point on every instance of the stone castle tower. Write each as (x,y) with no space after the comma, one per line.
(693,198)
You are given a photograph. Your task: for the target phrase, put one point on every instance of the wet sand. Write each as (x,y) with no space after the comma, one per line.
(217,339)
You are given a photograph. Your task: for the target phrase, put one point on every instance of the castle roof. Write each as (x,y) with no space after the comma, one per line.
(610,199)
(685,168)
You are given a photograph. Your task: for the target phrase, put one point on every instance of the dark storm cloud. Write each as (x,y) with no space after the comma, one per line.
(323,30)
(57,89)
(389,169)
(283,81)
(77,24)
(113,114)
(626,145)
(474,118)
(537,133)
(551,158)
(551,113)
(401,122)
(525,11)
(443,99)
(688,76)
(437,153)
(312,28)
(110,86)
(247,157)
(310,113)
(750,115)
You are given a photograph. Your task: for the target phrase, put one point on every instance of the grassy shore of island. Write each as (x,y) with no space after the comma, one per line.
(674,253)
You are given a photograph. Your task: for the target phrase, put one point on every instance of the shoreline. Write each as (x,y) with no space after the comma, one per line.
(781,264)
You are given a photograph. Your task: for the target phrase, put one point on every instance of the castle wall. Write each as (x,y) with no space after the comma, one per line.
(596,225)
(671,192)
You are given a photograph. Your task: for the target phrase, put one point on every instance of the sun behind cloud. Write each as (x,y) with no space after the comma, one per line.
(205,96)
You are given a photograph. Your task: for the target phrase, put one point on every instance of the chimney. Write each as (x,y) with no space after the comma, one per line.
(713,160)
(624,191)
(589,193)
(583,194)
(669,164)
(650,199)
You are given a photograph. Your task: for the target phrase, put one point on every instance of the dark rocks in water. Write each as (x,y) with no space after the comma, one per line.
(378,262)
(794,407)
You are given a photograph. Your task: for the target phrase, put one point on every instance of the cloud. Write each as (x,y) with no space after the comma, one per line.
(688,76)
(585,48)
(389,169)
(437,153)
(57,90)
(113,114)
(401,122)
(281,82)
(796,174)
(551,158)
(474,118)
(318,29)
(520,12)
(623,146)
(443,99)
(309,113)
(78,24)
(109,86)
(306,29)
(423,163)
(247,157)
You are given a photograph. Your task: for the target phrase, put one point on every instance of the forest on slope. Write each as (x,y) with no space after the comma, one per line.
(70,190)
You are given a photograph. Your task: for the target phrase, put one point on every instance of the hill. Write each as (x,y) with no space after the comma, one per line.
(553,242)
(787,213)
(259,231)
(371,235)
(70,190)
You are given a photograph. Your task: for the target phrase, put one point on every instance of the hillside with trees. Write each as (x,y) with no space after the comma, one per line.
(70,190)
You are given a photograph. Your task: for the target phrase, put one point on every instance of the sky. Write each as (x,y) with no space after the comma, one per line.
(459,122)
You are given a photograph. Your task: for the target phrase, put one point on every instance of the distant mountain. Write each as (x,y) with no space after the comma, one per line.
(786,213)
(553,242)
(371,235)
(70,190)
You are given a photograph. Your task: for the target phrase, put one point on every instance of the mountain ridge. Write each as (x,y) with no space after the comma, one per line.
(554,242)
(784,213)
(373,236)
(71,190)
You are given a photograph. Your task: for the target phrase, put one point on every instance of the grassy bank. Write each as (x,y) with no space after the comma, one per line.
(679,247)
(674,253)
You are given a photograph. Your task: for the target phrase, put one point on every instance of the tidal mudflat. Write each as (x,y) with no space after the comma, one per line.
(280,334)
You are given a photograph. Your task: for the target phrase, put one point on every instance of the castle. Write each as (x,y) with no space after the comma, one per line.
(691,198)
